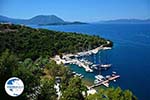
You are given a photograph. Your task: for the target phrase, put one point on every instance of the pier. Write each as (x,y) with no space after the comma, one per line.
(105,82)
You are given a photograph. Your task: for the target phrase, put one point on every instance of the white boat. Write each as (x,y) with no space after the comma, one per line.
(79,75)
(106,84)
(106,65)
(114,80)
(108,76)
(114,72)
(95,66)
(99,77)
(73,72)
(96,81)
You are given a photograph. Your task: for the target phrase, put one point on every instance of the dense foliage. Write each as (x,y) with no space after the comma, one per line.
(26,70)
(37,86)
(112,94)
(27,42)
(47,90)
(74,90)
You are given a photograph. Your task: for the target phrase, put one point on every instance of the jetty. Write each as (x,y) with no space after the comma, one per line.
(105,82)
(82,64)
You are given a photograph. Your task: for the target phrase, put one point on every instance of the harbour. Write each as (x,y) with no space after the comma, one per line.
(88,66)
(75,59)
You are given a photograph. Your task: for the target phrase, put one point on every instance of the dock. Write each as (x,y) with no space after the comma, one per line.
(85,66)
(113,77)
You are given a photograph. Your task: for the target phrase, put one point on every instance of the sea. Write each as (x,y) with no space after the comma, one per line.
(130,55)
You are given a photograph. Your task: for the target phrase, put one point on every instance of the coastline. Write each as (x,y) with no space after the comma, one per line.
(73,58)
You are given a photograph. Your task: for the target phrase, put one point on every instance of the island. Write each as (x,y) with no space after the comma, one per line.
(66,23)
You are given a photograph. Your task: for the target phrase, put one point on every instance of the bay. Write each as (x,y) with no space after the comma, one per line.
(130,55)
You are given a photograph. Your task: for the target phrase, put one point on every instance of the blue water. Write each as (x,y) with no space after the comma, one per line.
(130,56)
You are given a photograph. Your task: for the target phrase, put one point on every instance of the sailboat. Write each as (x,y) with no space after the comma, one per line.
(94,66)
(101,65)
(104,66)
(98,78)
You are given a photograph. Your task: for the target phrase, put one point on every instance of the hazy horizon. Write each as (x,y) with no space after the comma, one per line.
(79,20)
(85,10)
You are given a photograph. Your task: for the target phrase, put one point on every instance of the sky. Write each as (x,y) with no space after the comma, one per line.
(77,10)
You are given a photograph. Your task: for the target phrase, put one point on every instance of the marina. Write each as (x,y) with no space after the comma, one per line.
(89,66)
(74,59)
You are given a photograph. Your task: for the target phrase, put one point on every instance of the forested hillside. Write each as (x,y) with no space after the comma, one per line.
(32,43)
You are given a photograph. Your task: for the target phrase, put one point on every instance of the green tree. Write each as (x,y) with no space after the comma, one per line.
(74,90)
(8,64)
(47,90)
(30,74)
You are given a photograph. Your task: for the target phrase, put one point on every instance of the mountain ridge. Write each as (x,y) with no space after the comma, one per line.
(39,20)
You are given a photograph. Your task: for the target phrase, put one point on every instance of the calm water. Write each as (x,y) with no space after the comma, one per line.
(130,56)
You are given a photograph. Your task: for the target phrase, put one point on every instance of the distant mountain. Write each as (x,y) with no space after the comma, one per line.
(39,20)
(45,19)
(126,21)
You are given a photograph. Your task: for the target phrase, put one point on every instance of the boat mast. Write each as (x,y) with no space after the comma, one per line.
(99,67)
